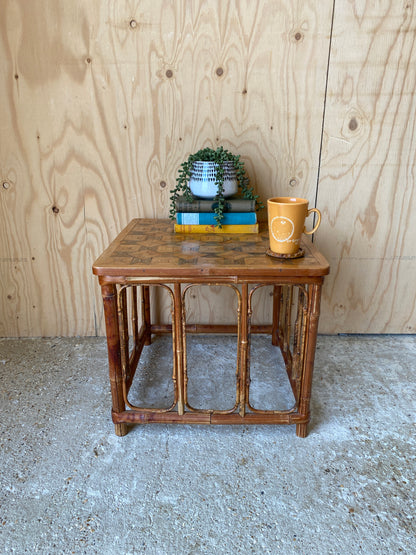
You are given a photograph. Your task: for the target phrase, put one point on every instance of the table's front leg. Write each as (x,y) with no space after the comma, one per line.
(309,358)
(109,294)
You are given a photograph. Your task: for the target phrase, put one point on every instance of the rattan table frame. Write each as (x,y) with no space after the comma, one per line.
(148,254)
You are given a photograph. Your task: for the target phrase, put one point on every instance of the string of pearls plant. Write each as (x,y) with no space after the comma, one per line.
(221,159)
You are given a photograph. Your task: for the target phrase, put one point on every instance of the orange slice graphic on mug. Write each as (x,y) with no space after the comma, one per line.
(282,228)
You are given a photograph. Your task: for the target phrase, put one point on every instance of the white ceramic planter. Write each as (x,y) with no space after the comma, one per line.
(202,181)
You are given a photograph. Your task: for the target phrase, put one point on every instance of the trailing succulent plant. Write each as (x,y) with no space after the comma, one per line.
(218,156)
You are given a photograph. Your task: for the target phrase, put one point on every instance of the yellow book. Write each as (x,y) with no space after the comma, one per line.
(237,228)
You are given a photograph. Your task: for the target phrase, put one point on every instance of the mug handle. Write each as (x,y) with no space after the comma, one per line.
(318,222)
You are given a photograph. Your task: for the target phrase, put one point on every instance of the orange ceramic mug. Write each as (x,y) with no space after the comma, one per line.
(286,217)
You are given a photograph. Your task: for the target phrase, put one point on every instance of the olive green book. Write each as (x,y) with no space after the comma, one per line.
(232,204)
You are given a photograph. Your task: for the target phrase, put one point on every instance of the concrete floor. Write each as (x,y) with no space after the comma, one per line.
(69,485)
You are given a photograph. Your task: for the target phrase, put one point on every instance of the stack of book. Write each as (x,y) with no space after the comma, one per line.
(198,216)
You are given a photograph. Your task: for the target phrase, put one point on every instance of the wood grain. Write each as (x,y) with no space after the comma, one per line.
(43,251)
(367,180)
(102,101)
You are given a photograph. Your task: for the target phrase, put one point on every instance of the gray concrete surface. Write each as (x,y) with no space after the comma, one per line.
(69,485)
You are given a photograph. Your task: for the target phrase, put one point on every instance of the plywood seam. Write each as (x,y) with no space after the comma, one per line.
(324,111)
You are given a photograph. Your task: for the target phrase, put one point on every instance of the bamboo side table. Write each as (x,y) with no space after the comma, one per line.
(147,254)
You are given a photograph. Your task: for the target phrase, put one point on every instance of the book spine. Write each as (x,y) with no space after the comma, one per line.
(208,218)
(250,228)
(201,205)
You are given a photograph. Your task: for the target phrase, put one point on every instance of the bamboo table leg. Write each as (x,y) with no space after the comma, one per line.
(109,294)
(244,378)
(178,346)
(146,313)
(311,331)
(277,292)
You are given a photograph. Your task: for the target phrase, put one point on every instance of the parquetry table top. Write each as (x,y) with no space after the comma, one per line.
(151,248)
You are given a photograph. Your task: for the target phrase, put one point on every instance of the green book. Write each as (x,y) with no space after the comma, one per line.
(232,204)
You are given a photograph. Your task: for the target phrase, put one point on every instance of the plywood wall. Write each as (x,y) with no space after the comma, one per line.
(367,176)
(102,101)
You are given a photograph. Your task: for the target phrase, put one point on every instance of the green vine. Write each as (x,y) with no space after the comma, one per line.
(219,156)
